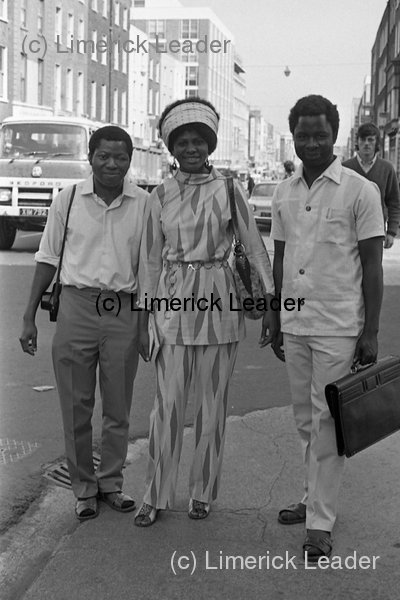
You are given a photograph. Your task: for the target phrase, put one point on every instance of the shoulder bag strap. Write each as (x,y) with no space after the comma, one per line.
(65,234)
(232,203)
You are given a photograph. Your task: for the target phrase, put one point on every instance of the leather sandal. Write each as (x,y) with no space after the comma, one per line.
(198,509)
(317,543)
(292,514)
(86,508)
(146,516)
(118,501)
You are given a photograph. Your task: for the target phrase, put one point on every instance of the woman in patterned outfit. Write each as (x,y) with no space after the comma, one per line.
(185,278)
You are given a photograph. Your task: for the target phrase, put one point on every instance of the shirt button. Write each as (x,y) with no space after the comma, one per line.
(308,208)
(302,271)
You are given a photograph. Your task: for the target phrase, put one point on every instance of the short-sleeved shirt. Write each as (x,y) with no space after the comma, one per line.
(321,227)
(103,242)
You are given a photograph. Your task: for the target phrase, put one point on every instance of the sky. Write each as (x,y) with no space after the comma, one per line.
(326,44)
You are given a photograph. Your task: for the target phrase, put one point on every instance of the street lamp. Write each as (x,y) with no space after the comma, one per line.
(287,71)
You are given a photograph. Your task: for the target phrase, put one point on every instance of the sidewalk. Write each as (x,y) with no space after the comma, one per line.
(109,557)
(50,556)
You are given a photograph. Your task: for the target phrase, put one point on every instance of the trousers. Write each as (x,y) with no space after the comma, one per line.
(88,339)
(205,371)
(312,362)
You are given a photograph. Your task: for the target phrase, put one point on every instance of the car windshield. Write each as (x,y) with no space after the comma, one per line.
(264,189)
(46,140)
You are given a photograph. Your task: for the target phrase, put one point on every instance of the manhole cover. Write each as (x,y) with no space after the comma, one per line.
(13,450)
(59,475)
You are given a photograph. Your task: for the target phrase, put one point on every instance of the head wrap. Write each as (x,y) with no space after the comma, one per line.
(187,113)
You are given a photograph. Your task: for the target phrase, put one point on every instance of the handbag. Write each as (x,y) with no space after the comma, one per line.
(51,300)
(249,288)
(365,405)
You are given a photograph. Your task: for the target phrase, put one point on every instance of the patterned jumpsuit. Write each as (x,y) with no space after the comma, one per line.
(184,254)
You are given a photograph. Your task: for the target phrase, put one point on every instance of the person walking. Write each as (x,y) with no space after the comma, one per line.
(327,227)
(369,164)
(185,248)
(99,270)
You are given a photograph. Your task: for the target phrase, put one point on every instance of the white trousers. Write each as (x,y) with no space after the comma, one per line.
(312,362)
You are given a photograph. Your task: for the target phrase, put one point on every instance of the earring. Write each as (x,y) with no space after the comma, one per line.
(174,165)
(207,164)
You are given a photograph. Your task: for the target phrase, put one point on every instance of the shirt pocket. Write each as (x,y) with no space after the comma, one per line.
(336,226)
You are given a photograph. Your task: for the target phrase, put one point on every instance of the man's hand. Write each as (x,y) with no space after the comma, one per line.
(143,344)
(28,337)
(366,351)
(389,239)
(271,324)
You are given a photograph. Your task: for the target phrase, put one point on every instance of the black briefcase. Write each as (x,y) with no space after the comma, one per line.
(365,405)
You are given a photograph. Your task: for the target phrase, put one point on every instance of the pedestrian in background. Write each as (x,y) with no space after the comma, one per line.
(250,184)
(289,167)
(327,228)
(368,164)
(184,254)
(100,260)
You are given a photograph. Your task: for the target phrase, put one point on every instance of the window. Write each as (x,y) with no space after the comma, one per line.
(40,16)
(124,115)
(190,28)
(104,49)
(125,19)
(116,13)
(3,72)
(69,90)
(70,28)
(192,76)
(23,12)
(116,55)
(156,28)
(190,57)
(23,75)
(139,3)
(124,56)
(103,110)
(58,25)
(81,34)
(80,94)
(93,100)
(115,106)
(93,5)
(105,9)
(40,68)
(3,10)
(94,45)
(57,87)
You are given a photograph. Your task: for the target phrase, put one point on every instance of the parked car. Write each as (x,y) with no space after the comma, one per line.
(260,201)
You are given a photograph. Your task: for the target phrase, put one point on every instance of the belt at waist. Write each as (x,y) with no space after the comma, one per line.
(197,264)
(95,290)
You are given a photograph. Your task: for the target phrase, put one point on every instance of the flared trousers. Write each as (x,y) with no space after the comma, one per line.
(204,371)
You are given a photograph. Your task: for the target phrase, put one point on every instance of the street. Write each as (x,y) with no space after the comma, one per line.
(30,428)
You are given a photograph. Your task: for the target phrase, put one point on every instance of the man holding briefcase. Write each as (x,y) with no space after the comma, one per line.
(328,230)
(95,324)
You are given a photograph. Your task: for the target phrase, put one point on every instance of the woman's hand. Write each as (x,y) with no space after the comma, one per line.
(143,344)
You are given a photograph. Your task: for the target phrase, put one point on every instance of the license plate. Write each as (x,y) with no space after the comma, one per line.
(33,212)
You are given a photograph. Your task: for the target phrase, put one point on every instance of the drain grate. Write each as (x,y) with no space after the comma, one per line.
(58,473)
(13,450)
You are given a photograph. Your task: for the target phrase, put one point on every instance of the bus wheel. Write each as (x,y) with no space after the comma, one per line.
(7,234)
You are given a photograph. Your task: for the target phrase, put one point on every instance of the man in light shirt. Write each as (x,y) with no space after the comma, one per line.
(96,325)
(327,227)
(380,171)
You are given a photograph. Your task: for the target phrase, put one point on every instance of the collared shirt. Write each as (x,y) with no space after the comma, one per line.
(102,244)
(321,227)
(366,166)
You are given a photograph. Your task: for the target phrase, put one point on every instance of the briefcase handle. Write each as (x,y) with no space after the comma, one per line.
(356,367)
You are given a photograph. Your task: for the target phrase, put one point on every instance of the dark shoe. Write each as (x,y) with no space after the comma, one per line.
(146,516)
(294,513)
(86,508)
(317,543)
(197,509)
(118,501)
